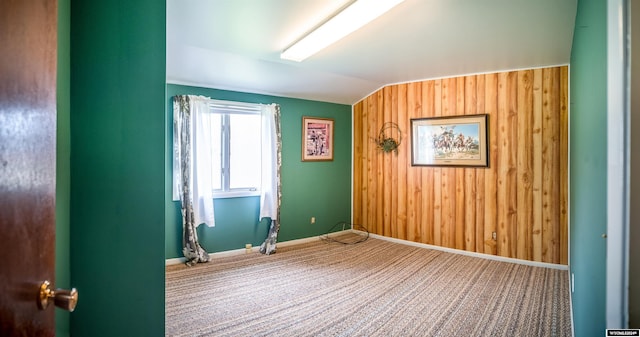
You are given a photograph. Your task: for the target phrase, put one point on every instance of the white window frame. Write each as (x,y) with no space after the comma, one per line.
(227,108)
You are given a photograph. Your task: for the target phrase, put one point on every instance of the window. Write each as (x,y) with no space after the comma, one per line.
(236,148)
(225,149)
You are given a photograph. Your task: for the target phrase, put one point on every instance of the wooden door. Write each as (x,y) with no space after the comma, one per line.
(28,39)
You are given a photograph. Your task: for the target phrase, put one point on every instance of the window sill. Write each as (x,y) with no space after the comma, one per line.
(236,194)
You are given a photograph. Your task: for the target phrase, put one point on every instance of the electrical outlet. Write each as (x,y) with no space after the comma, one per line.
(313,219)
(248,248)
(494,236)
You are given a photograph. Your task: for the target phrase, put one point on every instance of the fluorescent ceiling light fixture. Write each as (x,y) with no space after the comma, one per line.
(344,23)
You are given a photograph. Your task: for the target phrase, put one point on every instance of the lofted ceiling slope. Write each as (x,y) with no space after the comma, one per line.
(236,44)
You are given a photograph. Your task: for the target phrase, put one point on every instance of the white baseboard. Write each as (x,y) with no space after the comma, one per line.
(177,260)
(474,254)
(386,238)
(226,253)
(241,251)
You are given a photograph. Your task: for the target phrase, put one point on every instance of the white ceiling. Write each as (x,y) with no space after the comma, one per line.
(236,44)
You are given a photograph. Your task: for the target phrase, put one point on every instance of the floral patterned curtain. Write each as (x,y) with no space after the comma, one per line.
(182,133)
(271,193)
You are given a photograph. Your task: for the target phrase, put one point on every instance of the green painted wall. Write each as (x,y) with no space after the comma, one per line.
(63,155)
(320,189)
(117,170)
(588,172)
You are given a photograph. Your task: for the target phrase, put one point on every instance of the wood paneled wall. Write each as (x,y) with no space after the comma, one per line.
(522,196)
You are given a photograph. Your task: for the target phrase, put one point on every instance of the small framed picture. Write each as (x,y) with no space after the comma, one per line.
(450,141)
(317,139)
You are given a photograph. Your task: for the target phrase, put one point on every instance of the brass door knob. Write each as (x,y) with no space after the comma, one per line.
(62,298)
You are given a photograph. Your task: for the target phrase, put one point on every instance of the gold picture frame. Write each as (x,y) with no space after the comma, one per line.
(450,141)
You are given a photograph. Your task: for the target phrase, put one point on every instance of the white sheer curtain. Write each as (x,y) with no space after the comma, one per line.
(269,188)
(203,161)
(200,183)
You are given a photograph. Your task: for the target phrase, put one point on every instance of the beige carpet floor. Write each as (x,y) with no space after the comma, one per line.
(373,288)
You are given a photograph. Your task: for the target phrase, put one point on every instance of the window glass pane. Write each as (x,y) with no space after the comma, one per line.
(244,151)
(216,151)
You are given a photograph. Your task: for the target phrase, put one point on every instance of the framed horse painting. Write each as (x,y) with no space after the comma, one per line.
(450,141)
